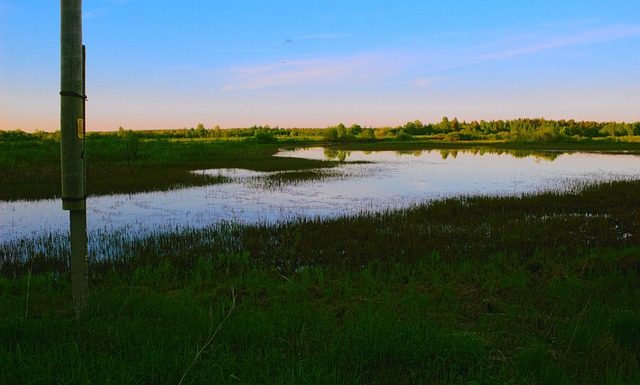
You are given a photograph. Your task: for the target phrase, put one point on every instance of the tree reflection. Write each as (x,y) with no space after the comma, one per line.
(338,155)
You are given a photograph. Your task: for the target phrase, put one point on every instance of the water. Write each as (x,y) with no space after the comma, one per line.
(386,180)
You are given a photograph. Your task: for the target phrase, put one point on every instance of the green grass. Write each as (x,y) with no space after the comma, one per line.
(31,170)
(539,289)
(395,323)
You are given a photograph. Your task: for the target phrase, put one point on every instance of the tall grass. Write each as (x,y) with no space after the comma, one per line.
(31,170)
(427,321)
(591,218)
(541,289)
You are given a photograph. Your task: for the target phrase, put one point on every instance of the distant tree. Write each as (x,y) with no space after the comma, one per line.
(403,136)
(264,136)
(330,134)
(201,131)
(381,133)
(338,133)
(410,127)
(131,140)
(342,132)
(354,130)
(444,125)
(455,125)
(366,134)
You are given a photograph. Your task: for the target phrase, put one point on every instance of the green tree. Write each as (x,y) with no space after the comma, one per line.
(444,125)
(403,136)
(330,134)
(354,130)
(264,135)
(131,140)
(201,131)
(455,125)
(367,134)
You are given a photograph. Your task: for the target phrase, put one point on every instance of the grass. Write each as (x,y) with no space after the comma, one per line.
(400,323)
(538,289)
(31,170)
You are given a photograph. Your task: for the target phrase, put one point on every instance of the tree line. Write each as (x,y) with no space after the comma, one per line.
(520,130)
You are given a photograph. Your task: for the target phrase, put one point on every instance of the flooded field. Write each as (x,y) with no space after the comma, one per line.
(370,181)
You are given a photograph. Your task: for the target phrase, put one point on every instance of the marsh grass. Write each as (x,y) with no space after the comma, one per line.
(537,289)
(281,179)
(31,170)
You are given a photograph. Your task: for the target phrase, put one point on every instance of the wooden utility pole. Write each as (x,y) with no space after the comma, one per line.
(72,145)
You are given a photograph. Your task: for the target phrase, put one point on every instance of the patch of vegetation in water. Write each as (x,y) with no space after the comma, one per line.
(282,179)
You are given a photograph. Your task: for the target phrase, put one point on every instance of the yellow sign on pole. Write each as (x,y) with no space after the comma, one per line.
(80,128)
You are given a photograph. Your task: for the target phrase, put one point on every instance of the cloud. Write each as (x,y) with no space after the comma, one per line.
(512,45)
(418,66)
(615,32)
(425,82)
(354,69)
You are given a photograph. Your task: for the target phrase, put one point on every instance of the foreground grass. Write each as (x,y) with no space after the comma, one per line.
(495,321)
(540,289)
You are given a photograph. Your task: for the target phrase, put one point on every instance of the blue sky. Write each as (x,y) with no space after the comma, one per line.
(236,63)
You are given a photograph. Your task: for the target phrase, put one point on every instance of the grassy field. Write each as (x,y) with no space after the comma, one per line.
(539,289)
(31,170)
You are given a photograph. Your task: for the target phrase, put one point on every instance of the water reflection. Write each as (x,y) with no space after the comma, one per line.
(343,155)
(365,181)
(338,155)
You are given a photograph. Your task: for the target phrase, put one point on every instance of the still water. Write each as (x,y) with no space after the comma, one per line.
(364,182)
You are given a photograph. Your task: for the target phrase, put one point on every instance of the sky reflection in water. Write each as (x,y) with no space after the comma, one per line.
(389,179)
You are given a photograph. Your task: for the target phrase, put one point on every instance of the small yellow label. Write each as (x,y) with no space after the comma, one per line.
(80,128)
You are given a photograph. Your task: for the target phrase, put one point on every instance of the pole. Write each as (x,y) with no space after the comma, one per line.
(72,145)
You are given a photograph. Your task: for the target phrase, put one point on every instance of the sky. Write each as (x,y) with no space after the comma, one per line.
(167,64)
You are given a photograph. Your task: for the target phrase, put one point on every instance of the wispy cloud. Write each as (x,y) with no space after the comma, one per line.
(426,82)
(615,32)
(419,67)
(341,70)
(435,60)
